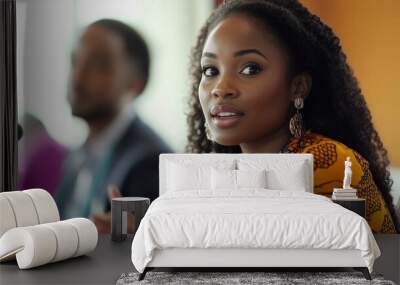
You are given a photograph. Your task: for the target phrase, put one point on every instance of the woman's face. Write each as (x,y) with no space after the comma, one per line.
(244,90)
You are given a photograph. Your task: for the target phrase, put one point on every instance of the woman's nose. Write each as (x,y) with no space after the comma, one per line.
(224,88)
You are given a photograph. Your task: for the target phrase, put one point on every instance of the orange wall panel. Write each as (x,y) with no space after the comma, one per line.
(369,31)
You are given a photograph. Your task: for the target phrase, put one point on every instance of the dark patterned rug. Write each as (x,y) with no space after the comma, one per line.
(229,278)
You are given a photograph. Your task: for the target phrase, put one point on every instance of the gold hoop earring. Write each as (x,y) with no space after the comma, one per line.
(208,132)
(296,125)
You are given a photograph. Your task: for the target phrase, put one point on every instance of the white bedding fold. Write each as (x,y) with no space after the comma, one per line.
(250,219)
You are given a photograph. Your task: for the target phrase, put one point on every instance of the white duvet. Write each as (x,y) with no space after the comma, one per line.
(250,219)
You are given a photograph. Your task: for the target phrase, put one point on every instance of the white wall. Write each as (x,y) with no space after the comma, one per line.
(47,42)
(52,27)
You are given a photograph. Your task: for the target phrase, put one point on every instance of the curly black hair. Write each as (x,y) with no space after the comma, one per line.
(335,106)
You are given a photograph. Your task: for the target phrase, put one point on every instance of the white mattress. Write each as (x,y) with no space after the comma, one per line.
(250,219)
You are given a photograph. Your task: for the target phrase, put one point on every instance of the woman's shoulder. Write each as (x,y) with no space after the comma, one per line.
(329,156)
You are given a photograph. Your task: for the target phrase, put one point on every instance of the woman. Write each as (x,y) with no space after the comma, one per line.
(268,76)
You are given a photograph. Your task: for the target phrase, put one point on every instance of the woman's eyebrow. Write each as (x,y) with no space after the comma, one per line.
(209,54)
(236,54)
(247,51)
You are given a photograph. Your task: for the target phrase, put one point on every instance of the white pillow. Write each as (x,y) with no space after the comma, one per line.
(251,178)
(281,174)
(187,177)
(226,179)
(223,179)
(184,175)
(291,179)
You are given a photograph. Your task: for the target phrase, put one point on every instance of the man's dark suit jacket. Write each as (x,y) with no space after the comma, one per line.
(134,166)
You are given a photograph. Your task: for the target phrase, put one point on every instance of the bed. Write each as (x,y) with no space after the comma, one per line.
(246,211)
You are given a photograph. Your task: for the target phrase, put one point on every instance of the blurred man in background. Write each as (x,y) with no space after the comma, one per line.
(110,68)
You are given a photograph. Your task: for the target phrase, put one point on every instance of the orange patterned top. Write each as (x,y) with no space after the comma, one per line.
(329,156)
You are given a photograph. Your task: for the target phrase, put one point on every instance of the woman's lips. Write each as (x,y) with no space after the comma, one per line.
(226,122)
(225,116)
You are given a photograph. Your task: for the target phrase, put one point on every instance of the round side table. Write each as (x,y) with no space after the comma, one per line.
(120,207)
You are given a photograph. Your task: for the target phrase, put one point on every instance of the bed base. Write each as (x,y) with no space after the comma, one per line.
(363,270)
(250,259)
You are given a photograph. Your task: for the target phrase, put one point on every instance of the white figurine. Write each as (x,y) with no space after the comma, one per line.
(347,174)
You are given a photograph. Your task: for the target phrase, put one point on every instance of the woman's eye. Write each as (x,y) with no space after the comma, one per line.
(209,71)
(251,69)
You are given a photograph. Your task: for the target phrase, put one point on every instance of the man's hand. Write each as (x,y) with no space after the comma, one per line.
(103,221)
